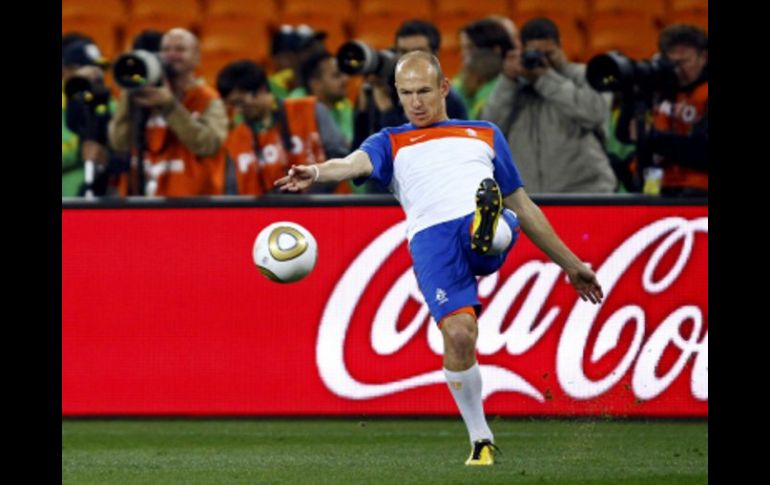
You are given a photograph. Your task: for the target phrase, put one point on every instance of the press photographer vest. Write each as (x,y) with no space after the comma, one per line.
(680,117)
(262,158)
(170,167)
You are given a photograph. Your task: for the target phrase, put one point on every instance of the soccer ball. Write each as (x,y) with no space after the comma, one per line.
(285,252)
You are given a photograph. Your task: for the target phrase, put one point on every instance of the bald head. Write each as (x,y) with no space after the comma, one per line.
(422,88)
(179,47)
(180,35)
(419,61)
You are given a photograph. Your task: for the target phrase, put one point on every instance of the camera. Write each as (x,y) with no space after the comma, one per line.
(532,59)
(615,72)
(355,57)
(140,68)
(83,90)
(87,112)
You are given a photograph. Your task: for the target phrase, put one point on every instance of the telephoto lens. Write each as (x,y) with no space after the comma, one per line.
(137,69)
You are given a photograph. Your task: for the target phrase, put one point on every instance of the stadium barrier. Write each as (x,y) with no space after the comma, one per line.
(165,314)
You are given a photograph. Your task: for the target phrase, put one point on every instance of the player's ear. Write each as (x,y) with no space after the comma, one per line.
(444,87)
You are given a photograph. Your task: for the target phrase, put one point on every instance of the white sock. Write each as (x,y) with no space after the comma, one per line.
(503,236)
(465,387)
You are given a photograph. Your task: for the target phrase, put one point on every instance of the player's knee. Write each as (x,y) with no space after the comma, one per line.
(460,333)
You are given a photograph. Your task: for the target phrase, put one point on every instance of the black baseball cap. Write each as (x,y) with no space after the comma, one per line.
(83,53)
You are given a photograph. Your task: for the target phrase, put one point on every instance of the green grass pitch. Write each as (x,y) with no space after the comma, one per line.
(400,451)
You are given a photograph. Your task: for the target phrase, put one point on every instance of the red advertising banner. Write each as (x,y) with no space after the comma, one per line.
(165,313)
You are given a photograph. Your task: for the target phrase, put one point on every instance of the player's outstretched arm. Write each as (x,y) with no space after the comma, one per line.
(536,226)
(300,177)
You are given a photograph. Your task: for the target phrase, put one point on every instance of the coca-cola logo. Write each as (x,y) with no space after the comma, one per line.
(642,356)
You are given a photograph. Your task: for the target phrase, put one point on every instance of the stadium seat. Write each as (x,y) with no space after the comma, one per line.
(406,9)
(263,11)
(104,34)
(236,35)
(449,25)
(212,61)
(688,5)
(627,33)
(471,9)
(185,13)
(331,8)
(577,9)
(655,9)
(694,17)
(113,11)
(377,31)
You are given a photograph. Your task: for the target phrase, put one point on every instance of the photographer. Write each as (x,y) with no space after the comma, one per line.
(177,127)
(323,79)
(483,44)
(553,119)
(677,142)
(412,35)
(269,135)
(85,114)
(290,47)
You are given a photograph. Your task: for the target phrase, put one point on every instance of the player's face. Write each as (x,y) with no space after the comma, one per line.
(421,94)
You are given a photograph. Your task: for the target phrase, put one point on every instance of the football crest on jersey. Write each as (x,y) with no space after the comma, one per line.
(441,296)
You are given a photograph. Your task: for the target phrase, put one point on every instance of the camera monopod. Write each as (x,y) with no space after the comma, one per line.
(136,179)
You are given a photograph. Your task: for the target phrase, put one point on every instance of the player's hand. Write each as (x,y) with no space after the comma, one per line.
(585,283)
(300,177)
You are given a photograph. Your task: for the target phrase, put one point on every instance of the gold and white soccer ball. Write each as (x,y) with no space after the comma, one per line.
(285,252)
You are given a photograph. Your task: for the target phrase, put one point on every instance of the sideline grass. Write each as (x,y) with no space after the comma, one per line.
(335,451)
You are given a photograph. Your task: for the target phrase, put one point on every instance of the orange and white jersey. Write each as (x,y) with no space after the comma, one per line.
(434,172)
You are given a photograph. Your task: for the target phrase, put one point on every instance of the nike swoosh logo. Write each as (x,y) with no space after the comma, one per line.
(417,138)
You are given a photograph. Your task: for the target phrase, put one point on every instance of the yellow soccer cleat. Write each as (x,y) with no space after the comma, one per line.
(489,206)
(483,453)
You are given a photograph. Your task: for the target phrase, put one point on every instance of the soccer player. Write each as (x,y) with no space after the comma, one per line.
(465,203)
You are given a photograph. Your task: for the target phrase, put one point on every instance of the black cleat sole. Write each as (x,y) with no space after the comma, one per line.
(489,206)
